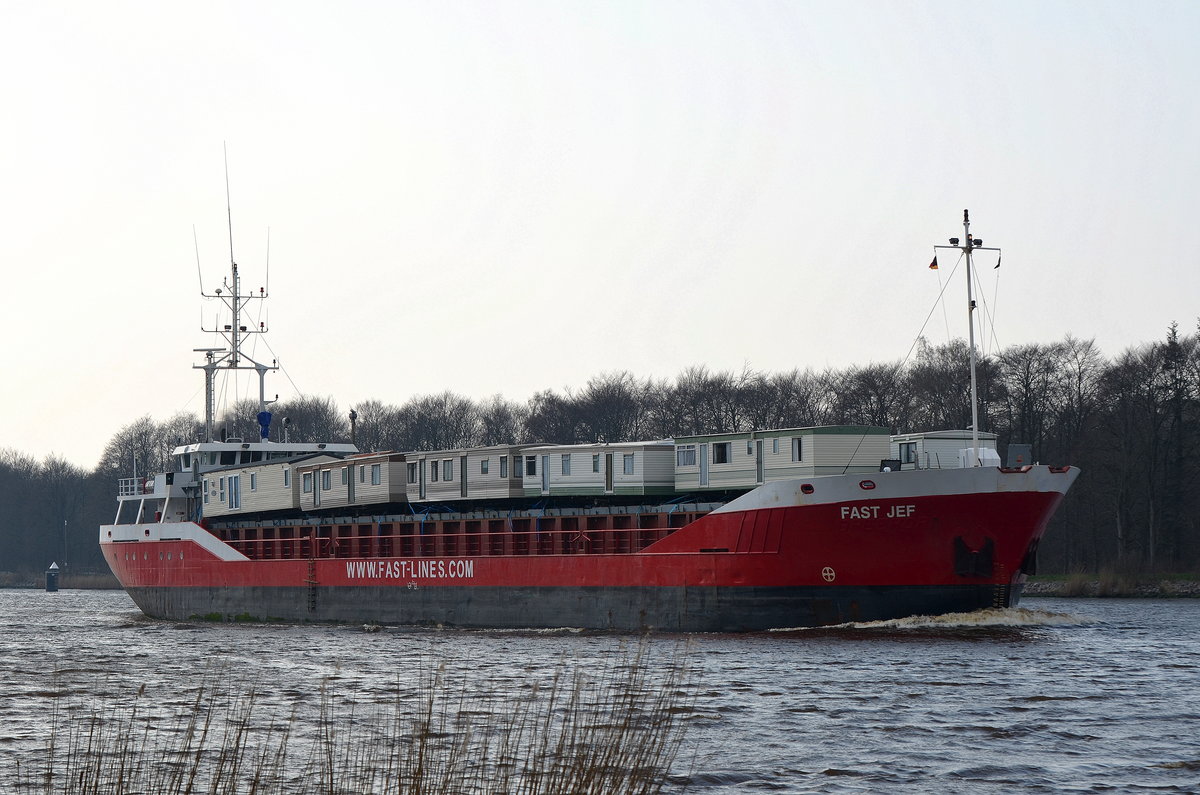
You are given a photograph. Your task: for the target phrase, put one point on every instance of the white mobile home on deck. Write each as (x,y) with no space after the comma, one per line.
(476,473)
(363,479)
(254,488)
(580,470)
(941,449)
(744,460)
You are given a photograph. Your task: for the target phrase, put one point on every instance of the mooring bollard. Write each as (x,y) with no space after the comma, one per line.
(52,577)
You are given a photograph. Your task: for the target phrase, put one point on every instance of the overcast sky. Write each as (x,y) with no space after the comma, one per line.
(505,197)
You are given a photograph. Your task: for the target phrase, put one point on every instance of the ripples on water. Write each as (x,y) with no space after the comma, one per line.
(1060,695)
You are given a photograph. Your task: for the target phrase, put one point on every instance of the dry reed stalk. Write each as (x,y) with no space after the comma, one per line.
(614,729)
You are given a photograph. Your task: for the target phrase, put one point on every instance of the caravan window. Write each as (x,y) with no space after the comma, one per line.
(307,481)
(448,469)
(722,452)
(797,449)
(595,462)
(326,479)
(287,478)
(908,452)
(531,465)
(253,481)
(377,477)
(566,463)
(503,466)
(685,455)
(629,463)
(412,473)
(483,465)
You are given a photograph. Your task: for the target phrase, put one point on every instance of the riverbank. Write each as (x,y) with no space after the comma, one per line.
(95,582)
(1115,586)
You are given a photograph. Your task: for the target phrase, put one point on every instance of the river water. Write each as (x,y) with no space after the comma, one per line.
(1079,695)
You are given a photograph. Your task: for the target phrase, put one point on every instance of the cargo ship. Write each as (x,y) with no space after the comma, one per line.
(725,532)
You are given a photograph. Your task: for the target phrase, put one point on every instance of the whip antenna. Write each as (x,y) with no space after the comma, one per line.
(228,206)
(196,244)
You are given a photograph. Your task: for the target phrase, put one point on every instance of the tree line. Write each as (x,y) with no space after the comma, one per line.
(1131,423)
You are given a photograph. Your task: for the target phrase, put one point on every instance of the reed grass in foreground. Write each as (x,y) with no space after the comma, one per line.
(616,730)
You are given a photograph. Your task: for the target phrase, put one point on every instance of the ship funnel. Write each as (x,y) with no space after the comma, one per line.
(264,424)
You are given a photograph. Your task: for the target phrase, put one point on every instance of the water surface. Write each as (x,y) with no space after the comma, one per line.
(1080,695)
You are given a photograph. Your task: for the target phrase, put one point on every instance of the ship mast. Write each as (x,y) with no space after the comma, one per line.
(232,357)
(968,246)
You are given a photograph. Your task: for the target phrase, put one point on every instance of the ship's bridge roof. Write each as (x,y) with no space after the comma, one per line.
(276,448)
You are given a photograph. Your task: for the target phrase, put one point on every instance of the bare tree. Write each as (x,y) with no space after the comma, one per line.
(610,408)
(439,422)
(501,421)
(876,394)
(314,419)
(378,426)
(552,419)
(133,450)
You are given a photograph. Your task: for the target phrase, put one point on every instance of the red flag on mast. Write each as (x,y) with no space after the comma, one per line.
(933,265)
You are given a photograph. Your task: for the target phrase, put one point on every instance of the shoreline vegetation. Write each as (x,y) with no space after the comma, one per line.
(615,727)
(1110,584)
(66,581)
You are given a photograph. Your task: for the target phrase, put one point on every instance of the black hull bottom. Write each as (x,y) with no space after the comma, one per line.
(699,609)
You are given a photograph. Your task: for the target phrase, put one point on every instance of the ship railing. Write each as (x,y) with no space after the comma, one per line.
(133,487)
(585,535)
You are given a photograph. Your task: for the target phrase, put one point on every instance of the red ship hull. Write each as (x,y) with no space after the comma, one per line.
(819,551)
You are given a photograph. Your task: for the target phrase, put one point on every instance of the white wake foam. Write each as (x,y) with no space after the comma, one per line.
(990,617)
